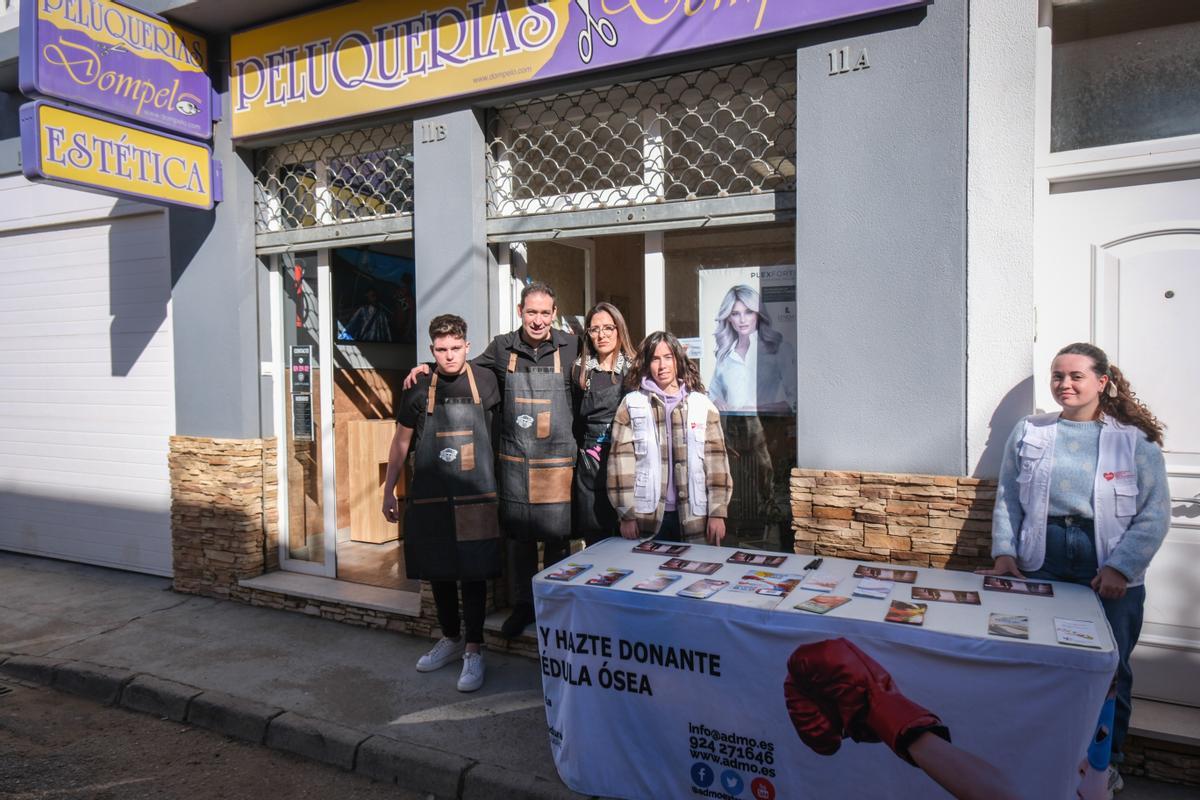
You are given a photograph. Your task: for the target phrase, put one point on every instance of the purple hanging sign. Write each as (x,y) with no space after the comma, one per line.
(113,58)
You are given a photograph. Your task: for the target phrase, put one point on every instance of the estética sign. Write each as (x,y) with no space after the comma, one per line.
(89,151)
(369,56)
(115,59)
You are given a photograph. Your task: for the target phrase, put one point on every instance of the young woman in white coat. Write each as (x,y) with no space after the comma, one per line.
(1083,497)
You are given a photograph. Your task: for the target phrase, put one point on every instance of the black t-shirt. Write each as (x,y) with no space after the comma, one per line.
(411,411)
(495,357)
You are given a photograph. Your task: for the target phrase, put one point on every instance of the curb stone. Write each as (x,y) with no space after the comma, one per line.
(31,668)
(421,768)
(232,716)
(314,738)
(152,695)
(487,781)
(93,681)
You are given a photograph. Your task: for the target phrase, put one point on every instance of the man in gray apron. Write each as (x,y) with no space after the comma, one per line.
(537,446)
(451,526)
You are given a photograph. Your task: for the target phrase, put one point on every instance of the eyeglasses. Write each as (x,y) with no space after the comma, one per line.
(596,330)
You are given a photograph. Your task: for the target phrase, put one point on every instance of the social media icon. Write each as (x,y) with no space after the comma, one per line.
(732,782)
(762,789)
(702,775)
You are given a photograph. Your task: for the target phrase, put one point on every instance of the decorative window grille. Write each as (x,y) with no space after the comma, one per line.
(353,176)
(716,132)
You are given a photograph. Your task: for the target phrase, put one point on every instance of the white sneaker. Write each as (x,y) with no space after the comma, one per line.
(445,651)
(472,672)
(1115,782)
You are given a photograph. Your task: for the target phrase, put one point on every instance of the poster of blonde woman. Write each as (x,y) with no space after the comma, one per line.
(748,335)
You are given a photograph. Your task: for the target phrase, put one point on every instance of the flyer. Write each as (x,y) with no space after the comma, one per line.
(756,559)
(698,567)
(775,584)
(1014,626)
(997,583)
(608,577)
(822,603)
(659,582)
(886,574)
(705,587)
(661,548)
(568,572)
(945,595)
(906,613)
(1076,632)
(821,582)
(873,588)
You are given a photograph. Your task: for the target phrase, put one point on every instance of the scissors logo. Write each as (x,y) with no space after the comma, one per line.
(591,26)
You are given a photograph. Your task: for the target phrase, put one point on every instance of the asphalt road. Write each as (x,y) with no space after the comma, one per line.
(54,746)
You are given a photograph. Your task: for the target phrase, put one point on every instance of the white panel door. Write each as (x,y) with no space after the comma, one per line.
(1129,240)
(86,383)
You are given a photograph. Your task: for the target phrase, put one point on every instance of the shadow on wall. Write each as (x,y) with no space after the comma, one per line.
(139,284)
(100,533)
(1016,404)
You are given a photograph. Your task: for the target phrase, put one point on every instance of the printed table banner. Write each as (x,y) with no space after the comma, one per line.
(87,151)
(371,56)
(112,58)
(650,693)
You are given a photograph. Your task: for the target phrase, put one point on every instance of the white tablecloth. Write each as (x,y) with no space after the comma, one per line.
(653,695)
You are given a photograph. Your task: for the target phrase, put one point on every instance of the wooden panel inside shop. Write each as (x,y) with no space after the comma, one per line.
(363,394)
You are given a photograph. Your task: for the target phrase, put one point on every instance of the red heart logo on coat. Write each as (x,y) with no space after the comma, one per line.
(1108,476)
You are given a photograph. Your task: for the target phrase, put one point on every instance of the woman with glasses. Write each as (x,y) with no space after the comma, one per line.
(596,379)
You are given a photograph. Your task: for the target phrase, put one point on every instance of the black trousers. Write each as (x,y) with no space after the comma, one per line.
(523,563)
(474,600)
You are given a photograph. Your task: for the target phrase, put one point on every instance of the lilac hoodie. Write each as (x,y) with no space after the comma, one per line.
(669,401)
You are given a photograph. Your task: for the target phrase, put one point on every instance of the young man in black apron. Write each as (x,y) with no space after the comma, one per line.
(451,524)
(537,446)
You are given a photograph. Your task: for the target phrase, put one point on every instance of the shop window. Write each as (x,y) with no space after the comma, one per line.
(346,177)
(1124,71)
(710,133)
(732,302)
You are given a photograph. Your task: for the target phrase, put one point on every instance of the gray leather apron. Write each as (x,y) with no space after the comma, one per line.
(537,453)
(451,528)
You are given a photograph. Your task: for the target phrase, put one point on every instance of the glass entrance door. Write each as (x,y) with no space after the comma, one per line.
(344,331)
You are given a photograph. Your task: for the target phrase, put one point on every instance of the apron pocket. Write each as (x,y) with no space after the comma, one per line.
(476,522)
(466,456)
(543,425)
(550,484)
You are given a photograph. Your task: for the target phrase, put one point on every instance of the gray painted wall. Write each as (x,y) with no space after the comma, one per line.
(215,302)
(449,231)
(880,245)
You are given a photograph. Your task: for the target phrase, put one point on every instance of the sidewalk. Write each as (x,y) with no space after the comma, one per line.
(340,694)
(335,693)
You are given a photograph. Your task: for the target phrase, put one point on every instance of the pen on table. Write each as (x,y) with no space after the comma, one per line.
(814,564)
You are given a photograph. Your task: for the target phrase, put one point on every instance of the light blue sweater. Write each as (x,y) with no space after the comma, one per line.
(1072,484)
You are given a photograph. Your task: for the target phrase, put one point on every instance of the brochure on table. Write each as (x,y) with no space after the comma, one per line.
(1069,601)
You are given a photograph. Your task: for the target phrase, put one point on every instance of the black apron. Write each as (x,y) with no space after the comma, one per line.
(451,527)
(537,453)
(595,517)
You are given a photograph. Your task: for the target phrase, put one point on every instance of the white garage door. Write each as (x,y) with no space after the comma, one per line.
(86,382)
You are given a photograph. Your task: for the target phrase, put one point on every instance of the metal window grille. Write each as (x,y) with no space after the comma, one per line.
(353,176)
(715,132)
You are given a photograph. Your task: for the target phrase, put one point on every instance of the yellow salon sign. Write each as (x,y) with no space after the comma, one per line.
(87,151)
(371,56)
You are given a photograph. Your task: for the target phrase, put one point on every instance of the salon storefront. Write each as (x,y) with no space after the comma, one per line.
(402,166)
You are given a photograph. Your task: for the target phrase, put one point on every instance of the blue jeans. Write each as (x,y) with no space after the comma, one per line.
(1071,556)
